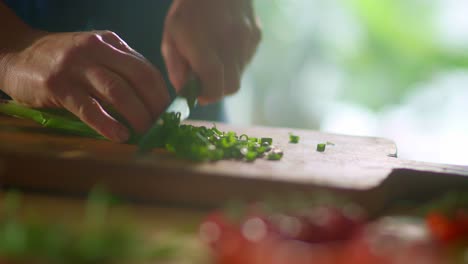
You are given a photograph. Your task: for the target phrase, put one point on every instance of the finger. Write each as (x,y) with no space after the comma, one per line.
(140,74)
(232,77)
(255,37)
(241,49)
(233,54)
(211,74)
(204,62)
(90,112)
(112,89)
(177,66)
(247,52)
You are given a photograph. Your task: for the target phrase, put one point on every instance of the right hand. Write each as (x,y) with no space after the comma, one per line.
(82,72)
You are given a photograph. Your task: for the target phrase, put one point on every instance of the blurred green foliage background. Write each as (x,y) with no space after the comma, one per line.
(387,68)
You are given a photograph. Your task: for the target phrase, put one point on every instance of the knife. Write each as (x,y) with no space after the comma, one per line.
(184,103)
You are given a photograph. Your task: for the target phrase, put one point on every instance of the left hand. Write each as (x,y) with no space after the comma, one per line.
(214,39)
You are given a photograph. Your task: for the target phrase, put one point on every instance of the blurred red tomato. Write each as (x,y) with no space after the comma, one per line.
(448,230)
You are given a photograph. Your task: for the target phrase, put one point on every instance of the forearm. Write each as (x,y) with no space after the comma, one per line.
(15,35)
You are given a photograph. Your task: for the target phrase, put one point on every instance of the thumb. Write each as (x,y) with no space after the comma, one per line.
(177,67)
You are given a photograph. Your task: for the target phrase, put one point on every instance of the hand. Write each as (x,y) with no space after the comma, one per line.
(215,39)
(84,72)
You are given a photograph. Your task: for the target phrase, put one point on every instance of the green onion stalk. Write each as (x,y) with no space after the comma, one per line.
(59,120)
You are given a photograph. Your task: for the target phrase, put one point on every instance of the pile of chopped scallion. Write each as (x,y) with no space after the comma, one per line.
(211,144)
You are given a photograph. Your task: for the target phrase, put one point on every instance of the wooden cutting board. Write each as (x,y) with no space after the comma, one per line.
(365,168)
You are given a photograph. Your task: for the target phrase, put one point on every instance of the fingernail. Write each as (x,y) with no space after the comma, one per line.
(122,134)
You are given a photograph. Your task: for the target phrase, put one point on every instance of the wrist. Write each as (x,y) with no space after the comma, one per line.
(5,58)
(11,48)
(15,36)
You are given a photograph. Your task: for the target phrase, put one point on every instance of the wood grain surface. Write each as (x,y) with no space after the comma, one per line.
(363,167)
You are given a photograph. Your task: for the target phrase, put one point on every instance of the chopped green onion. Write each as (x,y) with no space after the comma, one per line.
(253,139)
(261,150)
(275,154)
(266,146)
(266,140)
(210,144)
(321,147)
(293,139)
(244,137)
(216,131)
(251,156)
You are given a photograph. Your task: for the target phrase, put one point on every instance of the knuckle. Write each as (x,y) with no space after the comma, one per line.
(108,33)
(88,40)
(257,35)
(115,40)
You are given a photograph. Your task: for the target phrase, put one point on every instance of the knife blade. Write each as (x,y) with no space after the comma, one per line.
(184,103)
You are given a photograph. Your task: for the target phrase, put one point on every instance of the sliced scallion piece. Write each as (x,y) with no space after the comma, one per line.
(266,140)
(293,139)
(275,154)
(321,147)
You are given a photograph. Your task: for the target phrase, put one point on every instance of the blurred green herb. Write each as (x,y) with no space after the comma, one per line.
(97,240)
(399,47)
(447,204)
